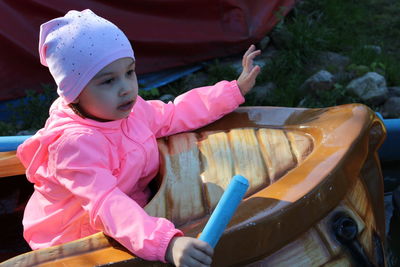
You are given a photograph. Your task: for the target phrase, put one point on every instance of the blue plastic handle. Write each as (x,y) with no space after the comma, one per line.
(224,211)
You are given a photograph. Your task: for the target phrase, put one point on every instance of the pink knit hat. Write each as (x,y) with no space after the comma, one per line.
(77,46)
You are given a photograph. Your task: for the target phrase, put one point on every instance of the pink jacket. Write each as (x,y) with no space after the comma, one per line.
(92,176)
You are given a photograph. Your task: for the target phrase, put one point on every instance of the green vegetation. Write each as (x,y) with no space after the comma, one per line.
(29,114)
(149,94)
(348,27)
(324,98)
(217,72)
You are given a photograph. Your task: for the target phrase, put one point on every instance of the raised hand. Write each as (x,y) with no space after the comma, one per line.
(247,78)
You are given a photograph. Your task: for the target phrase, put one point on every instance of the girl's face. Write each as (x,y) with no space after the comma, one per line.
(111,93)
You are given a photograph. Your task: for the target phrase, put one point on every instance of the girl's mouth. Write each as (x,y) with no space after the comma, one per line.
(127,106)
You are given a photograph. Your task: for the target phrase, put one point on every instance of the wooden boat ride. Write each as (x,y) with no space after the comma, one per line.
(315,195)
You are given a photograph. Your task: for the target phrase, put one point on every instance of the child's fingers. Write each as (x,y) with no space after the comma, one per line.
(251,56)
(248,52)
(204,247)
(254,72)
(248,61)
(201,257)
(254,54)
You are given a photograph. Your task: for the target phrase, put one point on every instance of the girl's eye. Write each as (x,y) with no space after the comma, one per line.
(108,81)
(130,72)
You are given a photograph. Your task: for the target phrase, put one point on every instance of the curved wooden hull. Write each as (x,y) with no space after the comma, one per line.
(316,194)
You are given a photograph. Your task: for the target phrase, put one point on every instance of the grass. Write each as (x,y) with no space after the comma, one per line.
(353,24)
(217,72)
(341,26)
(29,114)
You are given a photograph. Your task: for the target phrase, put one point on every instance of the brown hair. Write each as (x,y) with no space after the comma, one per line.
(81,113)
(76,109)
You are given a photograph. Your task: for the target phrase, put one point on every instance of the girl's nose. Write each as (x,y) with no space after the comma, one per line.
(126,88)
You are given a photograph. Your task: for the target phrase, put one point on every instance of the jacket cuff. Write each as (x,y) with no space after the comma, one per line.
(236,93)
(162,249)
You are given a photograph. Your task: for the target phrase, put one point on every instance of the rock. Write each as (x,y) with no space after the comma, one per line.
(167,98)
(264,42)
(194,80)
(371,88)
(394,91)
(334,59)
(391,108)
(269,53)
(322,80)
(333,62)
(281,36)
(376,48)
(261,92)
(358,70)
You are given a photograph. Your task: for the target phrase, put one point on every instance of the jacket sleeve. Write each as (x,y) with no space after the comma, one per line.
(193,109)
(81,163)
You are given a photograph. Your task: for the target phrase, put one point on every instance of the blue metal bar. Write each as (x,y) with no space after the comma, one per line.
(223,213)
(390,149)
(10,143)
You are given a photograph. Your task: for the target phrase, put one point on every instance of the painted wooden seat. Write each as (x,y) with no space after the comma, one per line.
(197,167)
(311,170)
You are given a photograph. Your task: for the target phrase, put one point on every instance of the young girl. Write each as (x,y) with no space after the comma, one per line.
(92,162)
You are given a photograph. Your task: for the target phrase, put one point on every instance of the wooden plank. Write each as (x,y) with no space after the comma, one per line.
(358,198)
(302,145)
(308,250)
(217,165)
(247,158)
(183,194)
(10,164)
(342,262)
(276,152)
(88,251)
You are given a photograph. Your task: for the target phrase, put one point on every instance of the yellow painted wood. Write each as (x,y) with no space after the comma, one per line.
(302,144)
(10,164)
(95,258)
(366,237)
(198,168)
(183,195)
(89,251)
(245,149)
(358,198)
(284,221)
(217,168)
(340,262)
(308,250)
(276,152)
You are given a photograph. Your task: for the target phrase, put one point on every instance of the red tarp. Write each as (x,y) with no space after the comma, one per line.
(164,33)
